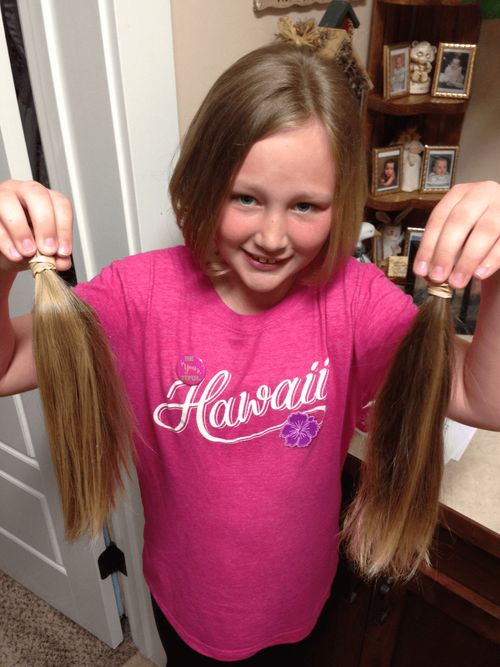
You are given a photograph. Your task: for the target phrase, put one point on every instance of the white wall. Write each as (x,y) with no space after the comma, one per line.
(209,36)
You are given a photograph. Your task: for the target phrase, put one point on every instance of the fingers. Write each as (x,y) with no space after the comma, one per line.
(462,236)
(33,217)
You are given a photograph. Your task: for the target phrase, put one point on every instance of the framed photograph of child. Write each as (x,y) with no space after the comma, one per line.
(396,70)
(453,71)
(439,167)
(386,169)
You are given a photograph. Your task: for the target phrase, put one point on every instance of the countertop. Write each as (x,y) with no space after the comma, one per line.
(471,486)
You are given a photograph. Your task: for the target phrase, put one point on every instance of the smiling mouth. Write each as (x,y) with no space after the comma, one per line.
(265,260)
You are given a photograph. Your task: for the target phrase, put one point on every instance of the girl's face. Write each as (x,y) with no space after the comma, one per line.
(277,218)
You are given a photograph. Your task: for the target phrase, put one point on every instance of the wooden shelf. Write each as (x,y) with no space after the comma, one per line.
(410,105)
(399,200)
(438,120)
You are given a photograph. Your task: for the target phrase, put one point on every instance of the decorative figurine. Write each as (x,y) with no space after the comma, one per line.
(368,231)
(412,161)
(422,55)
(392,234)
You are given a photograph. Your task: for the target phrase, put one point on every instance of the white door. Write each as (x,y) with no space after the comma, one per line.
(102,73)
(32,546)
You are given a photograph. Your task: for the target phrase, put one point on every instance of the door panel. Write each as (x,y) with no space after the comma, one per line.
(32,546)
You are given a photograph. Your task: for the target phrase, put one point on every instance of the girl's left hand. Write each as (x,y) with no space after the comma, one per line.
(462,236)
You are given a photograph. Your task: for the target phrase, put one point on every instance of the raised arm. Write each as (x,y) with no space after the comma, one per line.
(462,240)
(31,217)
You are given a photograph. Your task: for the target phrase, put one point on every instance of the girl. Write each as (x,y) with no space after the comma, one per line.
(248,354)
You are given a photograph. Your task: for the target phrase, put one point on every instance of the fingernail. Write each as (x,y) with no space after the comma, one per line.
(437,273)
(63,249)
(421,268)
(482,271)
(13,253)
(28,245)
(458,279)
(49,243)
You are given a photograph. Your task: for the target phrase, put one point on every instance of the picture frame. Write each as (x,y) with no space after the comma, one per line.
(453,70)
(386,169)
(396,70)
(415,286)
(411,234)
(438,168)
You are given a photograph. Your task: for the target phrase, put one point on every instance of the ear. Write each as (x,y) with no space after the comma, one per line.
(383,217)
(401,216)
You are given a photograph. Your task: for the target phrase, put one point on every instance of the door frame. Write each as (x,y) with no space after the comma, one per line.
(102,74)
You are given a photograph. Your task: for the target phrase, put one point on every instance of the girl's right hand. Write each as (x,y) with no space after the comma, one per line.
(33,218)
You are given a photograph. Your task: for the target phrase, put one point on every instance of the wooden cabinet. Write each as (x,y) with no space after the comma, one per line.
(449,614)
(438,120)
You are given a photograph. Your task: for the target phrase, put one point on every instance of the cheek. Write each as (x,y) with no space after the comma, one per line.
(231,227)
(311,238)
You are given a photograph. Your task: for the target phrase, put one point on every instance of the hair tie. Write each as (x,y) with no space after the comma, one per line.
(40,263)
(443,290)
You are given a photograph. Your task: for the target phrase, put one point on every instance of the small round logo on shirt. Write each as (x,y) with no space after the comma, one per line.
(190,369)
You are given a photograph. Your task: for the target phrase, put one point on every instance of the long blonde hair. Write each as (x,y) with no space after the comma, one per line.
(389,526)
(86,410)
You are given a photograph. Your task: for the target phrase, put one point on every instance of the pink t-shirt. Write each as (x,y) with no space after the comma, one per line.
(240,473)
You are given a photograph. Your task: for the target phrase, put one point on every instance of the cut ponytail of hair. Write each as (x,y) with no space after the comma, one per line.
(390,523)
(86,410)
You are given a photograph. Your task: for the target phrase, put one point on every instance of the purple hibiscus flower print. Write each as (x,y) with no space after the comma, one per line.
(299,429)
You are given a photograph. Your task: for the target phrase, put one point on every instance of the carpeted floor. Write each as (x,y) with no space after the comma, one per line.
(34,634)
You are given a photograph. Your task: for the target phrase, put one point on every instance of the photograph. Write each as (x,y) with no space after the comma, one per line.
(396,70)
(453,71)
(439,166)
(411,234)
(386,169)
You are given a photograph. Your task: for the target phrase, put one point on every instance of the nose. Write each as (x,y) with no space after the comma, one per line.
(271,235)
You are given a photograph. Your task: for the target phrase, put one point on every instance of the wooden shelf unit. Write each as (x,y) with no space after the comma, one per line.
(438,120)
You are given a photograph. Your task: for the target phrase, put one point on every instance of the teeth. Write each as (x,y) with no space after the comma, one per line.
(264,260)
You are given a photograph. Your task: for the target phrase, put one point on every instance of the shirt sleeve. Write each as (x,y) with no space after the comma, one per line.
(382,315)
(119,296)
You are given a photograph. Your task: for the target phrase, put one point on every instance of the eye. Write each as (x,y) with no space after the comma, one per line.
(304,207)
(245,200)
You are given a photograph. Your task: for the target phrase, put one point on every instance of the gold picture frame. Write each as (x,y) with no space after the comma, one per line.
(453,70)
(386,169)
(438,168)
(412,234)
(396,70)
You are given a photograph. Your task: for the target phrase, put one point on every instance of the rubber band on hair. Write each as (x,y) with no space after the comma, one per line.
(40,263)
(443,290)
